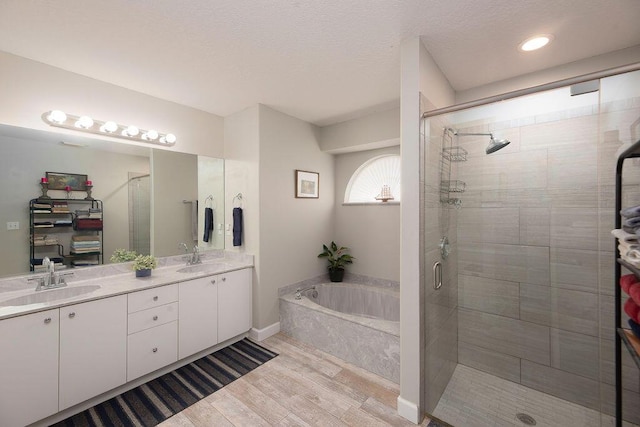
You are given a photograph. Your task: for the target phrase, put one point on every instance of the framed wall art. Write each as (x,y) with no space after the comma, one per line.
(307,185)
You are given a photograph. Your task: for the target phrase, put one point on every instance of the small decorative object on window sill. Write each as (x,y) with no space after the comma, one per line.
(385,194)
(68,190)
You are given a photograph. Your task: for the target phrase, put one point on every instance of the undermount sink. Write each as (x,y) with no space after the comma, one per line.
(202,268)
(50,295)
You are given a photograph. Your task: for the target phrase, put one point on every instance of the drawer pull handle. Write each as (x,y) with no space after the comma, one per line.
(155,317)
(155,349)
(224,279)
(155,298)
(47,320)
(213,282)
(72,315)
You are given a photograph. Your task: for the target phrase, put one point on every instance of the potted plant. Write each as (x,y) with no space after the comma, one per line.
(338,258)
(143,264)
(123,255)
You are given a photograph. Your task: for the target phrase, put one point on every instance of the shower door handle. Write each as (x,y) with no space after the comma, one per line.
(437,275)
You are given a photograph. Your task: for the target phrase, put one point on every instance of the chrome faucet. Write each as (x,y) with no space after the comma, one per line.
(193,257)
(51,279)
(299,292)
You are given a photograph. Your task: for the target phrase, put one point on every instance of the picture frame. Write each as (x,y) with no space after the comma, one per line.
(307,184)
(61,180)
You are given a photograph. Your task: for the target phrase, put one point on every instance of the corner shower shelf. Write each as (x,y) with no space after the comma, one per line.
(450,154)
(454,186)
(455,154)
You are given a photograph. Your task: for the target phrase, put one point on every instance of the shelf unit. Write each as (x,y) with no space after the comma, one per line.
(623,335)
(450,154)
(60,233)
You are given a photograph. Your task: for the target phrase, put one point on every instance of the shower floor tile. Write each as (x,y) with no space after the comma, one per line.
(477,399)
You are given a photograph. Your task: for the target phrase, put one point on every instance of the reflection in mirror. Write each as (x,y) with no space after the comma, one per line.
(122,178)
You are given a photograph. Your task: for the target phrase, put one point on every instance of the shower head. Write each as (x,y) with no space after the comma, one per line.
(496,144)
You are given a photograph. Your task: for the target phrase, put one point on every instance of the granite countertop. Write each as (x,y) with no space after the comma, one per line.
(110,280)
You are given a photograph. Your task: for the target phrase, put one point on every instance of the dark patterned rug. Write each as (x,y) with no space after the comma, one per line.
(153,402)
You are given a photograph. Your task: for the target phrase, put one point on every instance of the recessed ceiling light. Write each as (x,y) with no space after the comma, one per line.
(535,42)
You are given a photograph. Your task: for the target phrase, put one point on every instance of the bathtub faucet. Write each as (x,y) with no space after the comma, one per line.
(299,292)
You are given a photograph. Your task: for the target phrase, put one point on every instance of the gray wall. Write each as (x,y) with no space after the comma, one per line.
(372,232)
(535,254)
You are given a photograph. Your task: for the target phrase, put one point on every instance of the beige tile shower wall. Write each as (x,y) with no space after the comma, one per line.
(535,254)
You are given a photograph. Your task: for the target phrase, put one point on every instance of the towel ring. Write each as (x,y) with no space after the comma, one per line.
(239,198)
(209,201)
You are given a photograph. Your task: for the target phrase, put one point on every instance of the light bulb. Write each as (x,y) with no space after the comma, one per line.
(84,122)
(168,139)
(150,135)
(130,131)
(109,127)
(535,43)
(57,116)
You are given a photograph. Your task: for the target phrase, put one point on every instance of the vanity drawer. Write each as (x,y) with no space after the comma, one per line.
(150,298)
(152,349)
(152,317)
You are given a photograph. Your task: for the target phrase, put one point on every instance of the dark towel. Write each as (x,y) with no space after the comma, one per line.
(208,224)
(630,212)
(633,222)
(635,328)
(237,226)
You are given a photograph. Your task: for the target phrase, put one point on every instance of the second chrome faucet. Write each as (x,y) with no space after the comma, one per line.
(193,256)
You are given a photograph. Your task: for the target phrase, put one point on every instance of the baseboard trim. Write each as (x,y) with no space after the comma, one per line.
(264,333)
(408,410)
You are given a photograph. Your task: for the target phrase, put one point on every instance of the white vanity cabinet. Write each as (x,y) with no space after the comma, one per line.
(93,349)
(153,330)
(198,320)
(234,303)
(28,368)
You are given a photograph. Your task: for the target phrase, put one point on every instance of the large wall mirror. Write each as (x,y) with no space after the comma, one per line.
(153,199)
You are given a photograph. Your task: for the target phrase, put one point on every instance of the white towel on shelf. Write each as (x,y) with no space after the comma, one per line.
(623,236)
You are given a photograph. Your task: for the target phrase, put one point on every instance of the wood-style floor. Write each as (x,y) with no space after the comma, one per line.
(303,386)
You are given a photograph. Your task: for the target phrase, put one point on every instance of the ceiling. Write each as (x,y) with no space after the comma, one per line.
(322,61)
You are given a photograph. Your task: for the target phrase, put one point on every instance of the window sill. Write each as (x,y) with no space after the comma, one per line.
(390,203)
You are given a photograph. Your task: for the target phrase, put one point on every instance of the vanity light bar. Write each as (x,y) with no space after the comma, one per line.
(86,124)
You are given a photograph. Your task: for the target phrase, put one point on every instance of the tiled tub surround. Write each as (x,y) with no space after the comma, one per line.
(535,256)
(355,322)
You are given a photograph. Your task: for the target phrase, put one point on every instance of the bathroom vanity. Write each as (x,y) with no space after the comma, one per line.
(63,348)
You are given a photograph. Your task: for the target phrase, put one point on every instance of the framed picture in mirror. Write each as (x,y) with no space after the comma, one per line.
(60,181)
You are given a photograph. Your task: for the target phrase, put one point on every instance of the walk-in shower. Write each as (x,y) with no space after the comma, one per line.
(522,327)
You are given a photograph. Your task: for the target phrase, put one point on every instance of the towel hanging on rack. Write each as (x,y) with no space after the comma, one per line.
(237,226)
(208,224)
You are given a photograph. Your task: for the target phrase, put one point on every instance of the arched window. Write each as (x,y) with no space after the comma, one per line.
(375,180)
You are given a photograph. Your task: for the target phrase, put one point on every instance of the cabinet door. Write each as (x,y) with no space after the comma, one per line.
(198,315)
(28,368)
(93,349)
(152,349)
(234,303)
